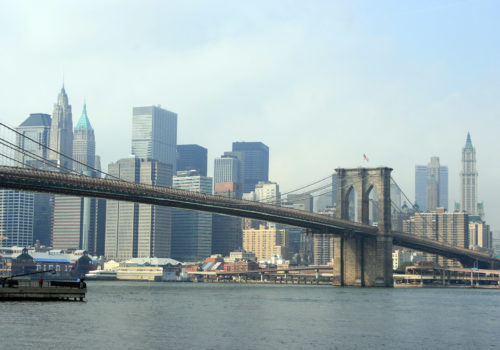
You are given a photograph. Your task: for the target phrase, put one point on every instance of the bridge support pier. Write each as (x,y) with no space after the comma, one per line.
(364,261)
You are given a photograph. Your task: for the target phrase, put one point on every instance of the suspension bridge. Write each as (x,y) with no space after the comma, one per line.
(363,253)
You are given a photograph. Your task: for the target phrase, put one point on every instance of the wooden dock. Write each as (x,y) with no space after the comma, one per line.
(49,291)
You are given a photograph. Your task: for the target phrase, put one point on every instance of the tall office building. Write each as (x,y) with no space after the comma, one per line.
(431,185)
(84,144)
(78,223)
(61,132)
(480,236)
(16,218)
(254,163)
(468,178)
(75,218)
(191,230)
(421,187)
(34,137)
(154,134)
(24,216)
(93,211)
(227,169)
(67,222)
(227,230)
(322,249)
(443,187)
(322,244)
(192,157)
(133,229)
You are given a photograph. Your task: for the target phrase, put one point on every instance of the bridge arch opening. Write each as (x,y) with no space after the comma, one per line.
(373,206)
(351,202)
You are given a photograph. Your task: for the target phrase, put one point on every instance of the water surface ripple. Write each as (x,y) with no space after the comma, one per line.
(136,315)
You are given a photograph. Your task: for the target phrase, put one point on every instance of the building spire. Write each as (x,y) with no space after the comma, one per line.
(468,142)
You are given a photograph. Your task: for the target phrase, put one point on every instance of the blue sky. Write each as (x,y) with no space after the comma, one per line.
(320,83)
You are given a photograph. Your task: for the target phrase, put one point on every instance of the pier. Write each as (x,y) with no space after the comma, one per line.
(48,291)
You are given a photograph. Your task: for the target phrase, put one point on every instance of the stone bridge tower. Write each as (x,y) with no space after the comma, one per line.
(364,261)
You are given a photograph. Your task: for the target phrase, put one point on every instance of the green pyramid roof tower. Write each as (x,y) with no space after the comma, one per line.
(84,122)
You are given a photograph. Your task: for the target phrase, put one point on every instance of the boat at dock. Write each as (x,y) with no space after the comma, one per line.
(101,275)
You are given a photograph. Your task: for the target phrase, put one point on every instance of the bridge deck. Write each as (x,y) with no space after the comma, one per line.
(84,186)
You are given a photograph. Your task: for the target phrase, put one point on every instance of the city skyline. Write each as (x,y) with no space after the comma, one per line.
(296,108)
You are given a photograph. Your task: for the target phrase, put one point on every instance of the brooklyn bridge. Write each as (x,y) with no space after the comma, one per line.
(363,253)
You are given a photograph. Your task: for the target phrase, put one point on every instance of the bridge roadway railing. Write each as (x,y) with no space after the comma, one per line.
(85,186)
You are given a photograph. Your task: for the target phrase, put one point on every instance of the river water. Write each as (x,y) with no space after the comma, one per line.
(141,315)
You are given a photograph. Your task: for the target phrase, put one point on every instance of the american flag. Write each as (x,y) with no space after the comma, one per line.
(365,157)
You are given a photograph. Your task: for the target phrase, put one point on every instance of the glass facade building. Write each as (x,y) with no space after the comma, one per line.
(254,163)
(16,218)
(191,230)
(192,157)
(154,134)
(26,217)
(425,181)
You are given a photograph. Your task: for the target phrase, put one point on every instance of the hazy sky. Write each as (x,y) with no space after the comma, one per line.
(320,83)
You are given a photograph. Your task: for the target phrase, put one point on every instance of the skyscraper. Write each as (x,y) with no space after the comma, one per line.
(227,169)
(75,218)
(226,230)
(191,230)
(16,218)
(37,127)
(443,187)
(468,178)
(61,132)
(431,185)
(192,157)
(254,163)
(84,143)
(25,217)
(421,187)
(92,234)
(154,134)
(133,229)
(67,222)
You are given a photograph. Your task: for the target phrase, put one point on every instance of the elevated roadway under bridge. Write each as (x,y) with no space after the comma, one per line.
(363,252)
